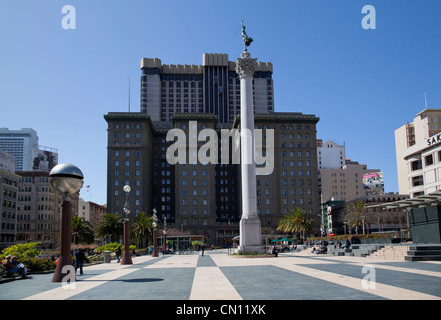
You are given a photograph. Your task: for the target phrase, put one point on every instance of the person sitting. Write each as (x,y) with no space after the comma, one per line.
(12,265)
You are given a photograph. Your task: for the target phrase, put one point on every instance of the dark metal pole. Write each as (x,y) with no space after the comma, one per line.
(126,258)
(65,237)
(155,244)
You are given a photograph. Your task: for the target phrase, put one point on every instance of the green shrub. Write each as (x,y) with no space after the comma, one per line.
(109,247)
(35,264)
(22,250)
(112,247)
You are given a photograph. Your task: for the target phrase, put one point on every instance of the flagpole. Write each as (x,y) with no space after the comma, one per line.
(88,189)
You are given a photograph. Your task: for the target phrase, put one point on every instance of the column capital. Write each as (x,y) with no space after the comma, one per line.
(245,65)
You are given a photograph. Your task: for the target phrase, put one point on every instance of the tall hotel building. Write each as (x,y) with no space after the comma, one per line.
(205,198)
(213,87)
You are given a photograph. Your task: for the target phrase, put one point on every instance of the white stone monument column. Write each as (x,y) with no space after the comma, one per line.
(250,234)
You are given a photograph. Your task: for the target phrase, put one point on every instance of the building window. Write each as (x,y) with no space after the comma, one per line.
(417,181)
(428,160)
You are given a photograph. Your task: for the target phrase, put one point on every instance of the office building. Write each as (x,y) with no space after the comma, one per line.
(22,144)
(39,209)
(93,213)
(350,182)
(28,154)
(7,161)
(8,207)
(212,88)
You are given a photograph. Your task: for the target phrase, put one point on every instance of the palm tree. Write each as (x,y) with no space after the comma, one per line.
(295,221)
(142,228)
(111,226)
(356,215)
(82,230)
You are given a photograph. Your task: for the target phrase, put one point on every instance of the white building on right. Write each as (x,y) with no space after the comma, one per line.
(418,152)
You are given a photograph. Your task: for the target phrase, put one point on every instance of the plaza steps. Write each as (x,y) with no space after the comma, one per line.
(354,250)
(390,252)
(424,253)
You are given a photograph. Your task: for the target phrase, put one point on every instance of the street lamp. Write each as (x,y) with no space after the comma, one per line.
(165,236)
(155,240)
(126,258)
(67,179)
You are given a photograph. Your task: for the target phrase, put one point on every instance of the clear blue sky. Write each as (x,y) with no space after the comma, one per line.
(363,84)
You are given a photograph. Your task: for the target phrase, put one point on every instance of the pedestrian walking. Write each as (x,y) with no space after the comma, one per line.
(118,252)
(80,258)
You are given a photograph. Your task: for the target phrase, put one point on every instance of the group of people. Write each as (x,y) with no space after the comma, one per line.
(12,265)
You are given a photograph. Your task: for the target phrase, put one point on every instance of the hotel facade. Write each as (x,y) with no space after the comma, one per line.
(201,197)
(205,198)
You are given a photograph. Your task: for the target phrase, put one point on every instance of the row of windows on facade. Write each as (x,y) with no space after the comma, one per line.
(40,216)
(8,215)
(37,179)
(23,198)
(38,237)
(283,154)
(9,193)
(428,161)
(195,222)
(8,204)
(7,238)
(184,126)
(8,226)
(222,181)
(343,186)
(9,182)
(38,226)
(38,189)
(40,207)
(177,94)
(184,80)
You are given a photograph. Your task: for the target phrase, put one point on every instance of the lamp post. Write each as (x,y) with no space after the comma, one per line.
(126,258)
(164,232)
(155,240)
(67,179)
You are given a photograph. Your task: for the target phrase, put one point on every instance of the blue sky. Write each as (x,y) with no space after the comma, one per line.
(363,84)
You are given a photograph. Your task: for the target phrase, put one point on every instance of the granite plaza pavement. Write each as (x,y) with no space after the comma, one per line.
(218,276)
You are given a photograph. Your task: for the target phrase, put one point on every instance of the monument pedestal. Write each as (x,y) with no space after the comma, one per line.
(250,236)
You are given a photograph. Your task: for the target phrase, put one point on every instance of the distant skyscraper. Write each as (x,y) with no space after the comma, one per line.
(28,154)
(213,87)
(22,144)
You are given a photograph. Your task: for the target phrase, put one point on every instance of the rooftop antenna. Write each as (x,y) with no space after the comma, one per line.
(129,94)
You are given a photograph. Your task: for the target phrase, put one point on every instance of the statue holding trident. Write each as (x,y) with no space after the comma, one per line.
(246,39)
